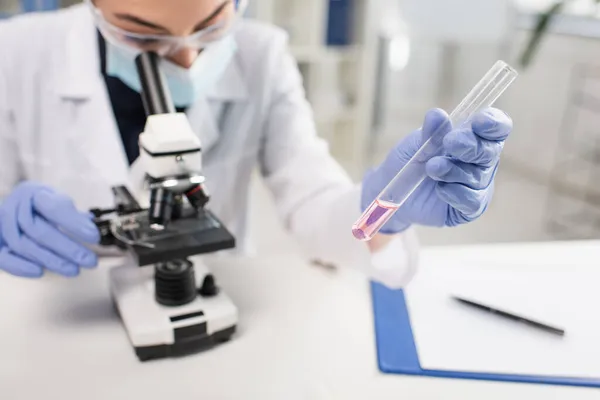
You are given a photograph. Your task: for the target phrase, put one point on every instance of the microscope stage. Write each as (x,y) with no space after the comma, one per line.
(185,237)
(158,331)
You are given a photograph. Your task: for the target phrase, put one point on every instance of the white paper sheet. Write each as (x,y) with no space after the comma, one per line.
(452,336)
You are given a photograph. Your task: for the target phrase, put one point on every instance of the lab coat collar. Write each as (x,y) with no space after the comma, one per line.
(82,67)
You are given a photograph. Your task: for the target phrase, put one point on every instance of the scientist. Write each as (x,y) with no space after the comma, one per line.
(71,113)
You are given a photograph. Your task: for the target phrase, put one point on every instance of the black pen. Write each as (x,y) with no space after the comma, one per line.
(513,317)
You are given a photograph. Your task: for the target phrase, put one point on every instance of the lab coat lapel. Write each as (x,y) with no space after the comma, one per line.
(205,115)
(84,96)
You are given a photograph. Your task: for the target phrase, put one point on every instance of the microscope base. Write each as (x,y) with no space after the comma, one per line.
(158,331)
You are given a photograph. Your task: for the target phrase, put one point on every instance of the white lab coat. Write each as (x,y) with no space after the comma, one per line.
(57,127)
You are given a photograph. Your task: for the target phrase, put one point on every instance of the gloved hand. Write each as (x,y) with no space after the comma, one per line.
(460,184)
(41,229)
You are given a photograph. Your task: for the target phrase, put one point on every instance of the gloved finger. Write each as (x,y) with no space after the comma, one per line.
(88,214)
(445,169)
(435,127)
(464,145)
(17,266)
(492,124)
(436,123)
(59,210)
(47,236)
(470,202)
(24,247)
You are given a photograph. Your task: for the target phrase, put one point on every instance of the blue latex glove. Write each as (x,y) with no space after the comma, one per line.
(41,229)
(460,184)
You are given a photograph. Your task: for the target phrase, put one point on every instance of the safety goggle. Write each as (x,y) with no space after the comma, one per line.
(165,45)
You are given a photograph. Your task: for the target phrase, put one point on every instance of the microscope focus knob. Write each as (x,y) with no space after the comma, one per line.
(209,287)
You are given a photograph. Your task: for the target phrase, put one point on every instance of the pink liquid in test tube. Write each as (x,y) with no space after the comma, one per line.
(373,219)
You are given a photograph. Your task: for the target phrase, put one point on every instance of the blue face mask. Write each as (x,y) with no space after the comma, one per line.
(187,85)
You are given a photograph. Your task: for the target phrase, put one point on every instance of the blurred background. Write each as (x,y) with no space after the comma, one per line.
(372,68)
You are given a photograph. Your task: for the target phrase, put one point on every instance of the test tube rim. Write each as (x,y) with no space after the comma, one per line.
(499,67)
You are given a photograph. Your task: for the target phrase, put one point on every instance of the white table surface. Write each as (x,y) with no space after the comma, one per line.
(305,333)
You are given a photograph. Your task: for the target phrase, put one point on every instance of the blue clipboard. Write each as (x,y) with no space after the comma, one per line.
(397,352)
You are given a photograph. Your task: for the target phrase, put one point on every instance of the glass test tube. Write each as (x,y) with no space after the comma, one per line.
(483,95)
